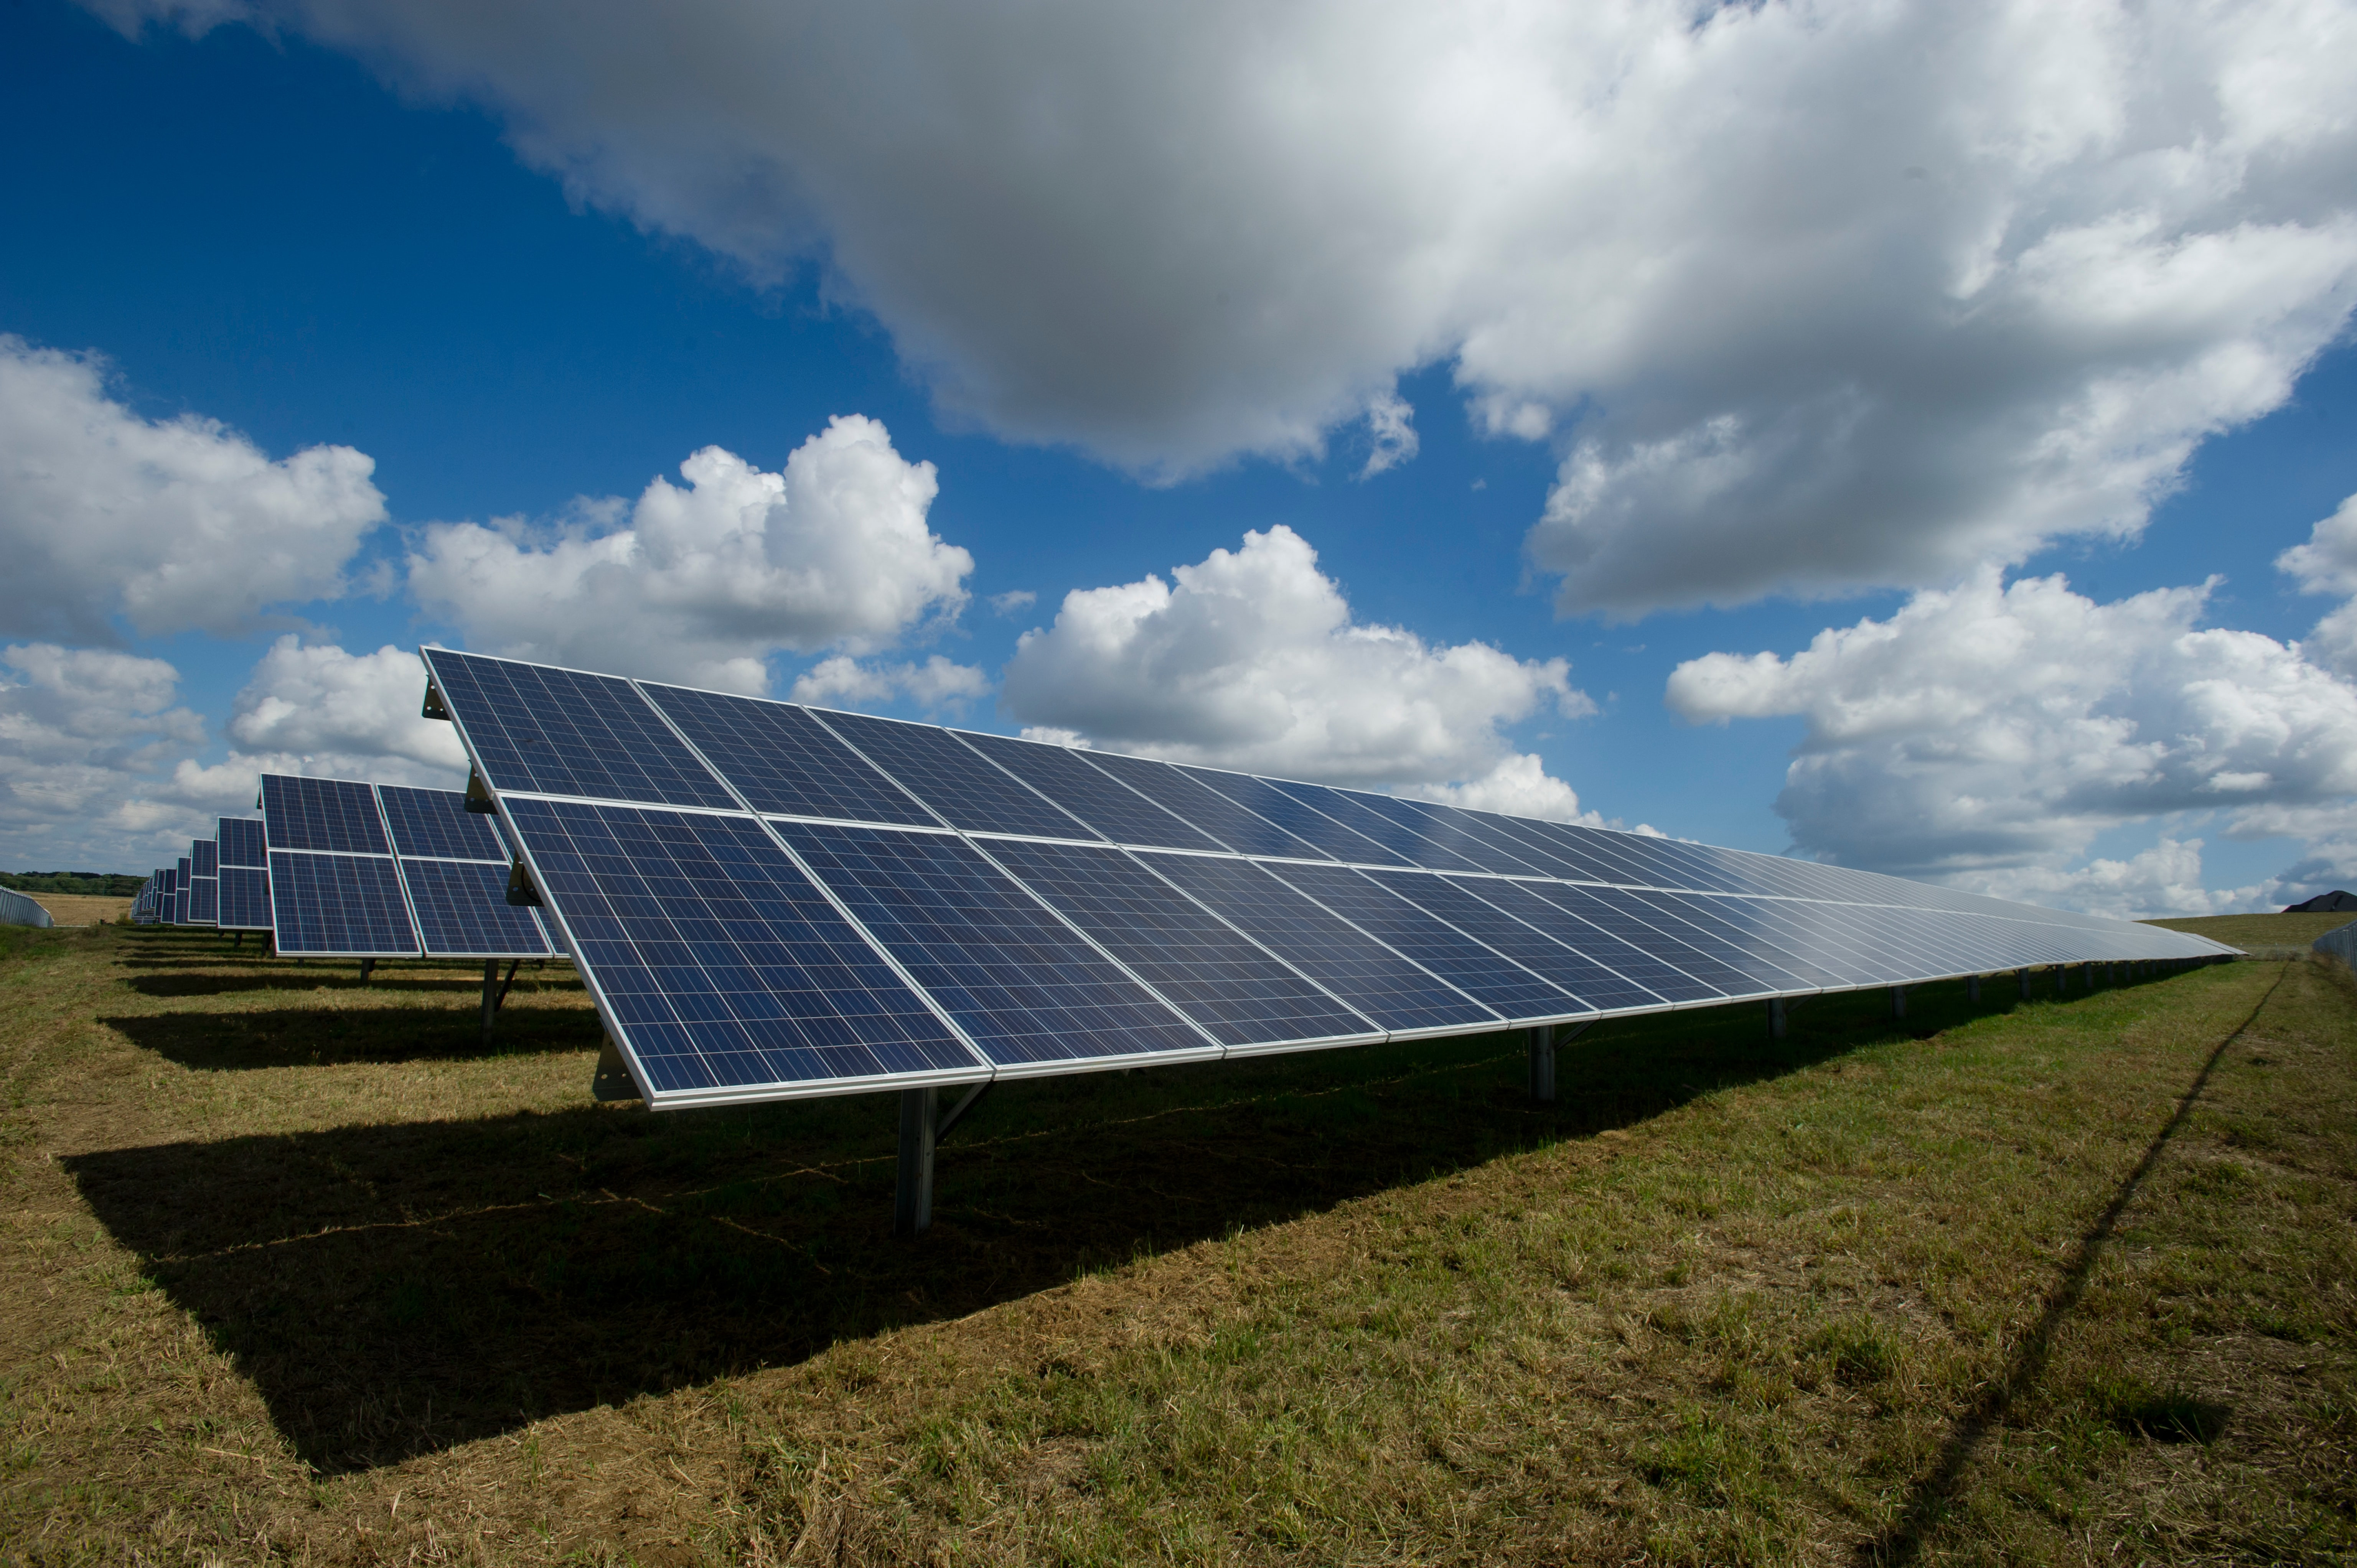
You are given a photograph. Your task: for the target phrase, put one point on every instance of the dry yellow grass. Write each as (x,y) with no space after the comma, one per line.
(82,909)
(298,1271)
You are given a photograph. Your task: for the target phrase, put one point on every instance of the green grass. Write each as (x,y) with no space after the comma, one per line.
(302,1269)
(2254,932)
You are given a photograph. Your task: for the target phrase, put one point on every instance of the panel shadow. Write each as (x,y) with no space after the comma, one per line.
(266,1037)
(396,1289)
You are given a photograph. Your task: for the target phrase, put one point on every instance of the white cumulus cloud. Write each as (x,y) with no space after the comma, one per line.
(323,701)
(1250,658)
(173,525)
(2327,564)
(1813,294)
(1997,728)
(844,681)
(703,584)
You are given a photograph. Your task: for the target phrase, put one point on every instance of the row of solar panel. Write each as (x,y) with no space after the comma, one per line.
(341,869)
(743,952)
(565,733)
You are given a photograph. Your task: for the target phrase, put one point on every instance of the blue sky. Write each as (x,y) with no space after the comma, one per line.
(336,229)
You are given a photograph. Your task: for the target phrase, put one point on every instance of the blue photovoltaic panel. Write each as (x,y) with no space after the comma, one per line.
(1559,850)
(1388,988)
(1112,809)
(204,858)
(182,879)
(1461,833)
(1197,962)
(1479,972)
(463,911)
(1631,962)
(560,732)
(1774,968)
(1205,810)
(168,890)
(1021,984)
(204,900)
(1288,811)
(333,814)
(962,787)
(1612,909)
(244,899)
(1588,976)
(338,906)
(1414,843)
(1758,925)
(241,842)
(783,760)
(436,822)
(724,967)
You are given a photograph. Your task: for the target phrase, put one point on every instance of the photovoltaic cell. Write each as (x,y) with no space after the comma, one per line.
(783,760)
(463,911)
(204,858)
(1206,811)
(333,814)
(1414,845)
(963,788)
(1371,978)
(244,899)
(338,906)
(436,822)
(1627,959)
(1612,910)
(1584,974)
(1022,984)
(1461,835)
(1295,816)
(1495,981)
(560,732)
(1112,809)
(1195,961)
(241,842)
(725,967)
(204,900)
(1772,967)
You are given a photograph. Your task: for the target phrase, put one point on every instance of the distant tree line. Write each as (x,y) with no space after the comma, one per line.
(97,883)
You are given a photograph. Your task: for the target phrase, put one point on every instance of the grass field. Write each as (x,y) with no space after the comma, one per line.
(299,1270)
(2273,936)
(82,909)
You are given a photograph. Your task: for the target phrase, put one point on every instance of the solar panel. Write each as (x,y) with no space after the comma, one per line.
(560,732)
(1397,994)
(437,823)
(1025,987)
(783,760)
(338,906)
(204,858)
(767,900)
(181,877)
(963,788)
(334,891)
(1236,990)
(1114,808)
(243,843)
(336,815)
(245,898)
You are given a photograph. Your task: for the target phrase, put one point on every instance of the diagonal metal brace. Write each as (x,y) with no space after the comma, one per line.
(965,1103)
(612,1081)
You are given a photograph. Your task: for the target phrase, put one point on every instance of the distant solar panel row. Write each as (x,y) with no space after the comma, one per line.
(381,871)
(767,900)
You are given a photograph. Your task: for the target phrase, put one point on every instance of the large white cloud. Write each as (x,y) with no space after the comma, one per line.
(703,584)
(99,770)
(2327,564)
(1995,730)
(1813,294)
(1250,658)
(173,525)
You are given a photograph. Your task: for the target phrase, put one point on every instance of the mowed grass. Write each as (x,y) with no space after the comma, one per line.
(302,1271)
(2270,934)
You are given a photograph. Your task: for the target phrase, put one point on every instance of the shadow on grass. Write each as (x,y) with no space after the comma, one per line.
(334,1036)
(208,981)
(396,1289)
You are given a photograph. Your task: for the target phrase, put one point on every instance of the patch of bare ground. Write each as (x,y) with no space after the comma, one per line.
(301,1271)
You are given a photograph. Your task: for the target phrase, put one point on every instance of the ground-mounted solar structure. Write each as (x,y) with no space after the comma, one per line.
(769,901)
(244,899)
(204,882)
(371,871)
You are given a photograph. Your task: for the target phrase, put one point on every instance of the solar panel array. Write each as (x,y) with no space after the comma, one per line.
(768,901)
(204,882)
(244,875)
(382,871)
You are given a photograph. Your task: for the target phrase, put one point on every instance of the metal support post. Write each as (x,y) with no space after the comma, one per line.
(491,996)
(1542,1044)
(368,965)
(2023,976)
(1899,1002)
(1775,1017)
(912,1199)
(1972,988)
